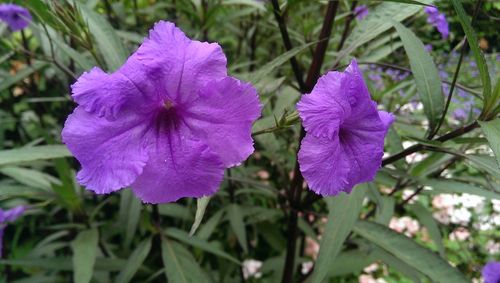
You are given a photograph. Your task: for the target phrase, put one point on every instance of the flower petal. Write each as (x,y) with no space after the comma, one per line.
(112,153)
(223,116)
(106,94)
(324,165)
(184,65)
(324,109)
(178,167)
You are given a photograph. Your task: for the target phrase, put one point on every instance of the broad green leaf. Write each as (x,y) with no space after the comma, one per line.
(134,262)
(180,266)
(343,212)
(385,210)
(175,210)
(12,191)
(29,177)
(489,100)
(30,154)
(376,23)
(491,130)
(112,49)
(129,214)
(238,225)
(409,252)
(425,217)
(277,62)
(484,162)
(208,228)
(200,211)
(350,262)
(84,255)
(64,263)
(21,75)
(397,264)
(199,243)
(425,73)
(451,187)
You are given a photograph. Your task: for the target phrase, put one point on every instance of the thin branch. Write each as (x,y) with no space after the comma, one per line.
(417,147)
(278,15)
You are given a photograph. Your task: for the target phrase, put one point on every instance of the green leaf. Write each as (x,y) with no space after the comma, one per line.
(199,243)
(30,154)
(208,228)
(425,217)
(108,42)
(489,100)
(385,210)
(278,61)
(491,130)
(64,263)
(129,214)
(376,23)
(238,225)
(134,262)
(409,252)
(425,73)
(21,75)
(450,187)
(84,255)
(343,212)
(200,211)
(397,264)
(180,266)
(29,177)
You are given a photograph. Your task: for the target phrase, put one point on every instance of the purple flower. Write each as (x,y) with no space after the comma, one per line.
(491,272)
(438,20)
(460,114)
(16,17)
(167,123)
(428,47)
(7,216)
(361,12)
(345,133)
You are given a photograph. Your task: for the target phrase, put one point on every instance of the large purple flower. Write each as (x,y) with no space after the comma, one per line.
(438,20)
(167,123)
(491,272)
(345,133)
(7,216)
(16,17)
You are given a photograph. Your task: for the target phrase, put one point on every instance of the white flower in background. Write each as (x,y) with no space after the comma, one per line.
(496,205)
(312,248)
(306,267)
(371,268)
(442,216)
(460,234)
(472,201)
(444,201)
(409,193)
(492,247)
(251,268)
(460,216)
(405,224)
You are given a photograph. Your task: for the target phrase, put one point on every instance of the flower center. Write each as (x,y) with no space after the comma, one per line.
(168,104)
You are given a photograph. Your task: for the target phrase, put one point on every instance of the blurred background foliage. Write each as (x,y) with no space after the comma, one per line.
(441,202)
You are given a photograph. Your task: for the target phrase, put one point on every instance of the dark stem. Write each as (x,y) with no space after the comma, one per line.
(417,147)
(278,15)
(294,195)
(347,24)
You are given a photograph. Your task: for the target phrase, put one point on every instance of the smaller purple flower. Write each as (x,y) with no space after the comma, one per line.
(16,17)
(345,133)
(460,114)
(438,20)
(361,12)
(7,216)
(428,47)
(491,272)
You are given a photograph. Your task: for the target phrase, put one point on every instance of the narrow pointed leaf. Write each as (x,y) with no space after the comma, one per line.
(84,255)
(425,73)
(343,212)
(134,261)
(409,252)
(491,130)
(201,206)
